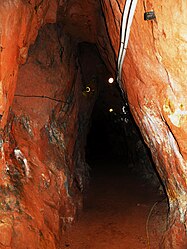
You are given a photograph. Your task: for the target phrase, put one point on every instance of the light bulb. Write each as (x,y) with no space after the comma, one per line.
(88,89)
(111,80)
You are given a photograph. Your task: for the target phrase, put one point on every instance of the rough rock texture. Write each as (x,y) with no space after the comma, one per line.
(156,63)
(41,147)
(43,171)
(20,22)
(40,192)
(83,21)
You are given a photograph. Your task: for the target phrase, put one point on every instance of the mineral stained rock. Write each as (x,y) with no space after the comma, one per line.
(40,189)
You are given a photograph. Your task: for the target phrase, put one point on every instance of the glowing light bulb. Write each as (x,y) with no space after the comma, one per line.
(111,80)
(111,110)
(88,89)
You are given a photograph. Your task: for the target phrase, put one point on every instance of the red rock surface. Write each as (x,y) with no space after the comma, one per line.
(156,63)
(40,190)
(42,145)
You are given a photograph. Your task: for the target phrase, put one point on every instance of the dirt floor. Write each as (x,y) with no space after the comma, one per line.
(120,212)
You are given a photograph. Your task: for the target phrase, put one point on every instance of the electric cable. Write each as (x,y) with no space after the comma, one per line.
(127,18)
(147,221)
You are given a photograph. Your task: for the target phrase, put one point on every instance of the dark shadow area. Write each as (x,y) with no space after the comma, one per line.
(116,211)
(114,137)
(106,138)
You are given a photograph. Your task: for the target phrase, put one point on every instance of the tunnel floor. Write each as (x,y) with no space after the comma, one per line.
(120,212)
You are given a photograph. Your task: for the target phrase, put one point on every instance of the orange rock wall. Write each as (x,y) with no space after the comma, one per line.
(45,118)
(42,169)
(154,74)
(20,22)
(36,168)
(39,195)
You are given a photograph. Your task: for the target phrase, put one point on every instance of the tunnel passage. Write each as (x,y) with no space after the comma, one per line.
(43,132)
(56,94)
(109,130)
(107,134)
(64,103)
(122,206)
(113,135)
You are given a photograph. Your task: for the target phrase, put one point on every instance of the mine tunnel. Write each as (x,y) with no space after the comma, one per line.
(93,124)
(119,163)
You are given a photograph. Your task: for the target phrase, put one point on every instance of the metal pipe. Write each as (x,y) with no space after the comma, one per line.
(127,18)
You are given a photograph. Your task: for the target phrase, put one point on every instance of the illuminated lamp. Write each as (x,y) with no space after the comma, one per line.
(111,80)
(88,89)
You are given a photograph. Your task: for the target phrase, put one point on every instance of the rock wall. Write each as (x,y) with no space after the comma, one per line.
(45,113)
(40,183)
(20,22)
(154,79)
(43,173)
(41,191)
